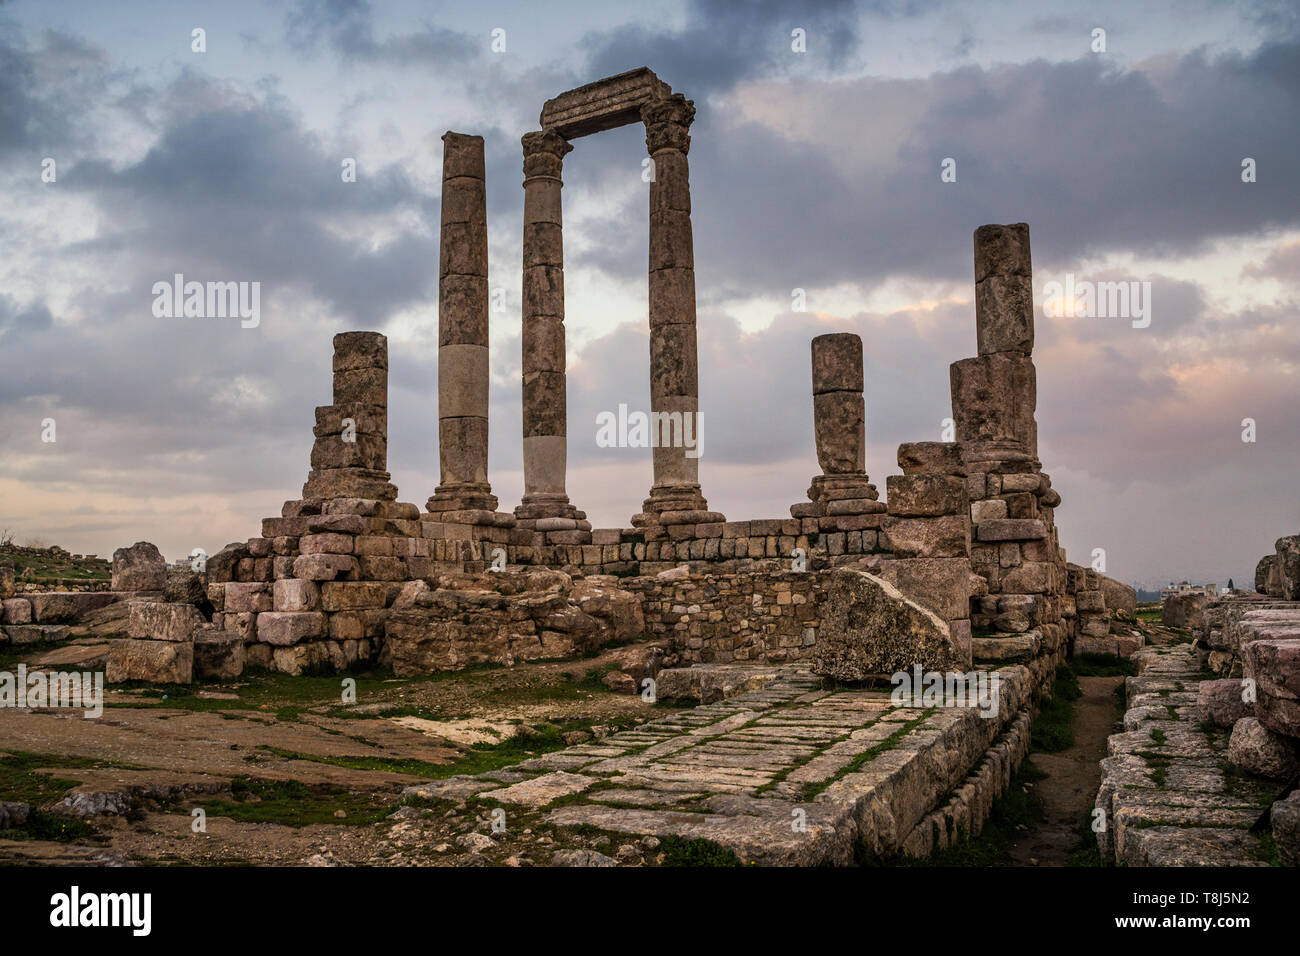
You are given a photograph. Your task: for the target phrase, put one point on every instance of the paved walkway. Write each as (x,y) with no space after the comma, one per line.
(1170,795)
(789,774)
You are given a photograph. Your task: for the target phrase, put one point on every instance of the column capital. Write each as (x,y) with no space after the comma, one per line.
(668,123)
(544,152)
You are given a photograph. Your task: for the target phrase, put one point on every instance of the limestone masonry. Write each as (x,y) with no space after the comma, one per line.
(959,569)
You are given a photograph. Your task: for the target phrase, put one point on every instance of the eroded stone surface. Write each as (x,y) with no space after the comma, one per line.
(1168,796)
(848,767)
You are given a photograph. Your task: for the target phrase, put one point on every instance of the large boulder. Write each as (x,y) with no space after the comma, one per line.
(15,611)
(1183,610)
(1288,567)
(159,662)
(218,654)
(1256,749)
(1221,702)
(140,567)
(186,586)
(1263,571)
(870,629)
(1119,596)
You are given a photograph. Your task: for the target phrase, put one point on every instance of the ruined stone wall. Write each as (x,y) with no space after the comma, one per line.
(765,615)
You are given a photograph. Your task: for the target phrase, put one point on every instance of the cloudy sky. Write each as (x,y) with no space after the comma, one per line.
(815,170)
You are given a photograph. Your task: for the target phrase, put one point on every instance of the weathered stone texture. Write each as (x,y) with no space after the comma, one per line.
(869,629)
(140,567)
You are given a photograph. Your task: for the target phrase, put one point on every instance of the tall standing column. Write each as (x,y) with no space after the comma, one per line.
(545,409)
(674,374)
(463,331)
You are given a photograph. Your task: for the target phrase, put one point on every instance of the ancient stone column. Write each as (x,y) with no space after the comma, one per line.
(839,426)
(350,456)
(545,409)
(463,331)
(674,376)
(1004,326)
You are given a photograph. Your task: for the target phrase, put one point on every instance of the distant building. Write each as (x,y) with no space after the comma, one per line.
(1185,587)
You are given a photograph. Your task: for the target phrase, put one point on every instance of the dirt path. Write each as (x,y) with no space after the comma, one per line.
(1073,775)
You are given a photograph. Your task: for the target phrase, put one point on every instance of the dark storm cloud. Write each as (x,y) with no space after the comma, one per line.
(1097,160)
(242,192)
(29,114)
(346,26)
(723,43)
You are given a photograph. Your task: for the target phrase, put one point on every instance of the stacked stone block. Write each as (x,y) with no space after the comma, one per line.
(1014,545)
(350,456)
(1095,625)
(311,590)
(711,617)
(927,531)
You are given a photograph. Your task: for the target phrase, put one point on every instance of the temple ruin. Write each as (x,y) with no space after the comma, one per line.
(959,569)
(967,531)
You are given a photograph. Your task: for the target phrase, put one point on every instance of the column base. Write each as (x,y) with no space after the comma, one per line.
(550,507)
(551,515)
(675,504)
(836,495)
(469,503)
(349,483)
(462,496)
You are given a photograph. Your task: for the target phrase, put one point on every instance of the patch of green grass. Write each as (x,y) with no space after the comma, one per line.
(1150,615)
(58,829)
(416,768)
(1266,850)
(1101,665)
(1159,772)
(295,804)
(22,782)
(46,568)
(1085,851)
(1051,731)
(679,851)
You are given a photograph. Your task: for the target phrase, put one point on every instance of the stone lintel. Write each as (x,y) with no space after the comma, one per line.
(605,104)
